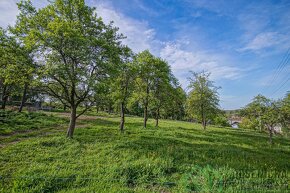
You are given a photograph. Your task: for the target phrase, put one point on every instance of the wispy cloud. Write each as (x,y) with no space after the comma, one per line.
(139,34)
(265,40)
(183,60)
(265,26)
(147,10)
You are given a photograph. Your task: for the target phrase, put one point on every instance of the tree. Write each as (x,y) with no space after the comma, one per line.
(101,96)
(161,86)
(221,120)
(145,62)
(266,112)
(5,60)
(17,67)
(271,117)
(203,100)
(175,105)
(122,83)
(256,109)
(285,111)
(248,123)
(76,50)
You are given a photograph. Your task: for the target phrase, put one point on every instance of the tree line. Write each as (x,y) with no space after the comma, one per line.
(66,53)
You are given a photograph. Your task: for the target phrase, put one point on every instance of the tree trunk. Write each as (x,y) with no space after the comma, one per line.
(204,124)
(157,117)
(157,122)
(260,123)
(4,101)
(23,98)
(4,97)
(145,116)
(64,107)
(122,118)
(203,121)
(72,123)
(270,135)
(110,109)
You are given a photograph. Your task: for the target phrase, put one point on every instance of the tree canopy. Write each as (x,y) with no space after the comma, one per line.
(76,50)
(203,99)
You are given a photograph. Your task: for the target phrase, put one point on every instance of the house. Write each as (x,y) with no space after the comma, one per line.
(277,129)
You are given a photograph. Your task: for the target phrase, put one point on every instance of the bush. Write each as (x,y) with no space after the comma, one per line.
(249,124)
(221,121)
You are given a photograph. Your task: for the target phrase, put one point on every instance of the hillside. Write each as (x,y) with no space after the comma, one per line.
(176,157)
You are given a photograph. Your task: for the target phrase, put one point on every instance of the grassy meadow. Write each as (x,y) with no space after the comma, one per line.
(35,156)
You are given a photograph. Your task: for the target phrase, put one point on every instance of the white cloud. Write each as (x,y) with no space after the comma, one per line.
(139,35)
(8,11)
(265,40)
(265,26)
(184,61)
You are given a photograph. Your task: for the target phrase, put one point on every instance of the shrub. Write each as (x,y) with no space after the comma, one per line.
(221,121)
(248,123)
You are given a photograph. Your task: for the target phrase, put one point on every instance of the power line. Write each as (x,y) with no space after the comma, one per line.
(279,68)
(282,65)
(283,82)
(281,86)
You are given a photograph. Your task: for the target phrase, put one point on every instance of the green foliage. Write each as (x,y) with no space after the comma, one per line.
(249,124)
(156,89)
(203,99)
(266,112)
(17,68)
(255,110)
(176,157)
(285,112)
(144,80)
(78,50)
(163,89)
(221,120)
(174,107)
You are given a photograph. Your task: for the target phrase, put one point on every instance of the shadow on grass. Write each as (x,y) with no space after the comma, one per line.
(203,154)
(239,150)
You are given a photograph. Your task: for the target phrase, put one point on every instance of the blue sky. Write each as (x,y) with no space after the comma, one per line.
(241,43)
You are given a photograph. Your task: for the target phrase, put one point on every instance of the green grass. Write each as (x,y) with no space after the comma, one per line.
(11,122)
(176,157)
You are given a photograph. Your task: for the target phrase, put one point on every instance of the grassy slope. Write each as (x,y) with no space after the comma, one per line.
(12,122)
(176,157)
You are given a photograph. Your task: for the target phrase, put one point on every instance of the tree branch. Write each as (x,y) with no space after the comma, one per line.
(85,110)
